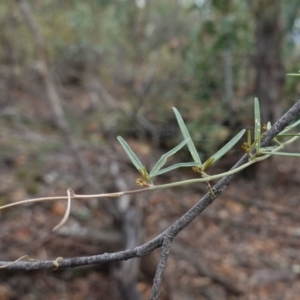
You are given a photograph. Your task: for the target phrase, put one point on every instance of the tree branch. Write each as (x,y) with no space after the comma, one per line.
(168,235)
(165,251)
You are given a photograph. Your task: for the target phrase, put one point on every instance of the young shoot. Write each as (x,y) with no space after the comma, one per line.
(197,166)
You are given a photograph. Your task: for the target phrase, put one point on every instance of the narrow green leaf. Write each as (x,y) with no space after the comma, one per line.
(161,162)
(281,153)
(257,124)
(186,135)
(291,126)
(228,146)
(179,165)
(136,162)
(293,74)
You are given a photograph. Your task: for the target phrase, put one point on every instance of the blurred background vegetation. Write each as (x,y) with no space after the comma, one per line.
(117,68)
(204,57)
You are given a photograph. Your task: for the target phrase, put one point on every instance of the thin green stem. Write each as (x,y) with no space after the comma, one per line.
(254,160)
(150,188)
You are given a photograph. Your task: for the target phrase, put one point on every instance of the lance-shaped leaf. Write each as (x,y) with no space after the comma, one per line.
(186,135)
(257,124)
(162,161)
(224,149)
(179,165)
(136,162)
(293,74)
(281,153)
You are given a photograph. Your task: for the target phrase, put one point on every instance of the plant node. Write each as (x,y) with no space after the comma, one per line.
(141,182)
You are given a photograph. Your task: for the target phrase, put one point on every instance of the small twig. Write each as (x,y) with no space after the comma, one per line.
(206,179)
(165,251)
(67,213)
(148,189)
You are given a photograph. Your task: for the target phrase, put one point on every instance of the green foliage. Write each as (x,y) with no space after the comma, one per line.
(270,150)
(227,147)
(187,136)
(197,165)
(200,168)
(147,177)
